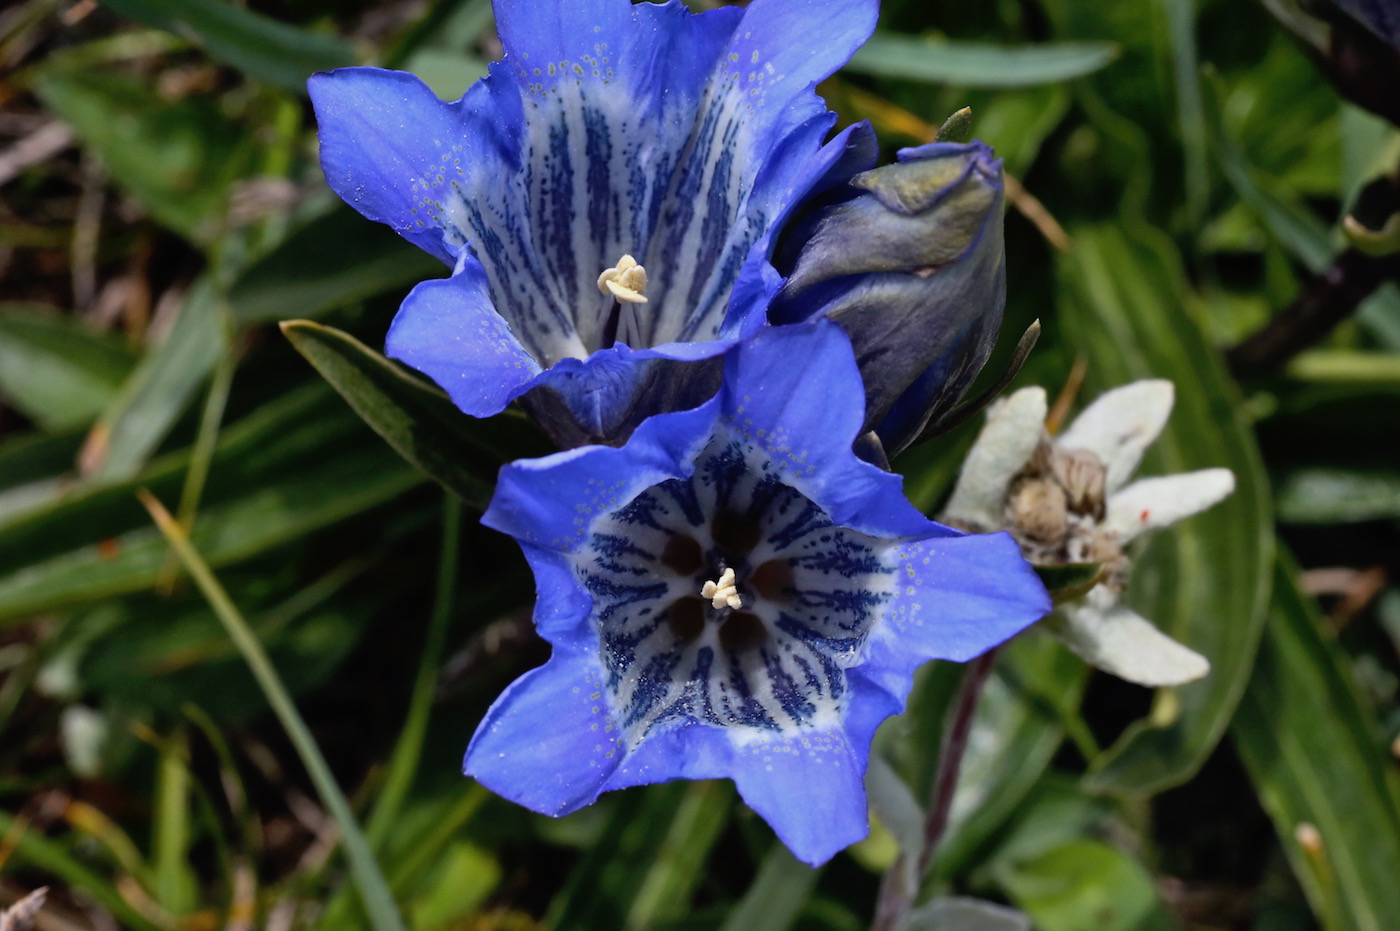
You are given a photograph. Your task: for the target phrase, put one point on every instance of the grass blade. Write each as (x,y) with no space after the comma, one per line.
(1315,755)
(379,903)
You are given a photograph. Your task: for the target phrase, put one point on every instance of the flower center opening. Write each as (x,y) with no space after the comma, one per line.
(730,599)
(709,572)
(1055,507)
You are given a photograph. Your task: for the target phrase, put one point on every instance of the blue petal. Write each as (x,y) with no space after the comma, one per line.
(388,146)
(648,131)
(602,398)
(796,388)
(806,417)
(810,790)
(610,128)
(957,598)
(760,120)
(562,605)
(548,742)
(683,751)
(448,329)
(792,177)
(550,502)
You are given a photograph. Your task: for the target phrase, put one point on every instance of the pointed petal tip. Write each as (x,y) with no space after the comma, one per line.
(1160,501)
(1125,644)
(1120,424)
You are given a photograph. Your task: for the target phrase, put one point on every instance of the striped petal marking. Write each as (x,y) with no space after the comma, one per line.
(774,667)
(599,180)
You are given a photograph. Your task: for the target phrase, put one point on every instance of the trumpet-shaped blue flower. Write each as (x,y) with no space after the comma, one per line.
(611,136)
(733,593)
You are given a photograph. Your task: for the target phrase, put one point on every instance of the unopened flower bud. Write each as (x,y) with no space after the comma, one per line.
(912,265)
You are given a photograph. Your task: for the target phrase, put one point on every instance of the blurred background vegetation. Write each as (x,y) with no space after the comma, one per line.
(1179,178)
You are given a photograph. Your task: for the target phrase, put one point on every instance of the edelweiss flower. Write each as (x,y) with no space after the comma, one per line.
(733,593)
(606,197)
(1067,501)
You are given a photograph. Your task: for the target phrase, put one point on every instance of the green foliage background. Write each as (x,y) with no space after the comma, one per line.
(1180,172)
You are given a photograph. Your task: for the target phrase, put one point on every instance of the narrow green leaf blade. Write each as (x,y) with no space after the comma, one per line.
(178,158)
(57,371)
(775,899)
(295,465)
(369,879)
(262,47)
(418,421)
(160,388)
(331,261)
(266,517)
(978,64)
(1316,756)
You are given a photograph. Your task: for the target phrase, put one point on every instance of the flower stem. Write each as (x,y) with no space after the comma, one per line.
(895,899)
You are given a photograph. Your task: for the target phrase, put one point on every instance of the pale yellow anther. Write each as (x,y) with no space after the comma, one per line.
(626,281)
(723,593)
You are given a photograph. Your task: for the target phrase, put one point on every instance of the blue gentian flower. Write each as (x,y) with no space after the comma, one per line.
(612,135)
(733,593)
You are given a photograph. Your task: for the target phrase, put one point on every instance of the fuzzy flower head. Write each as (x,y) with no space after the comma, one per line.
(733,593)
(1068,500)
(606,197)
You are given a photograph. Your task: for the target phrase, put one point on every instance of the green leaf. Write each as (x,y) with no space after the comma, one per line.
(332,261)
(962,914)
(296,465)
(1347,367)
(365,870)
(603,888)
(1030,699)
(1338,496)
(418,421)
(262,47)
(1306,237)
(977,64)
(162,657)
(1070,580)
(678,867)
(1298,229)
(1316,756)
(1191,122)
(783,885)
(177,158)
(55,370)
(463,876)
(1205,582)
(1084,882)
(267,517)
(160,389)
